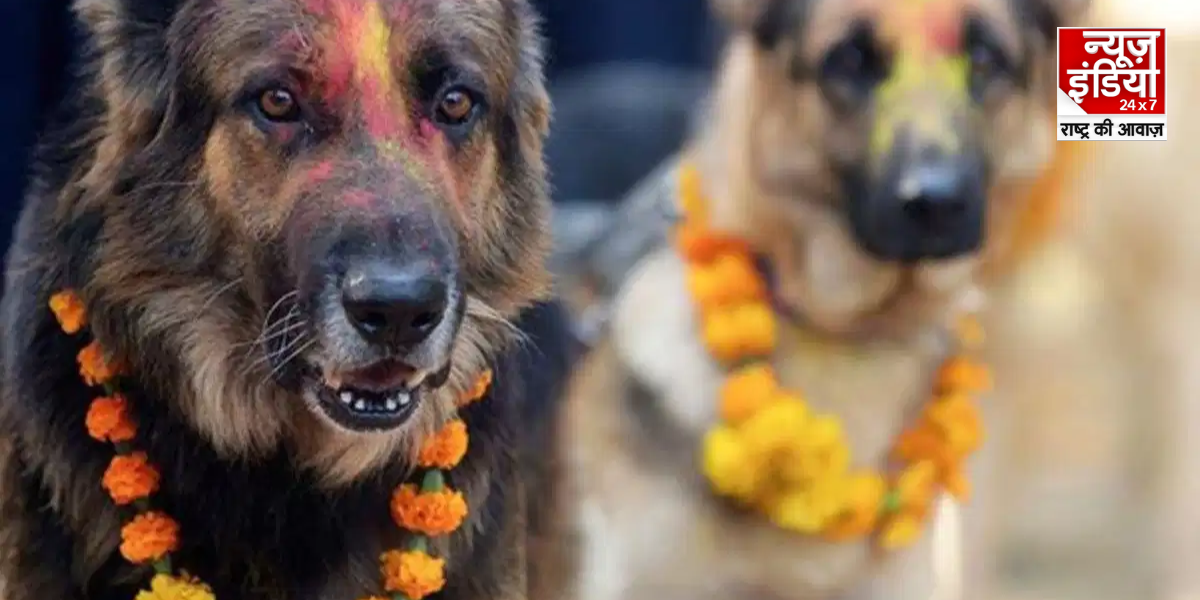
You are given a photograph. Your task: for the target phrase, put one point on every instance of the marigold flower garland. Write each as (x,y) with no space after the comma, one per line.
(771,452)
(426,509)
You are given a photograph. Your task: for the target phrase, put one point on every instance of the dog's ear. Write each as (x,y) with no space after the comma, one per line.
(129,39)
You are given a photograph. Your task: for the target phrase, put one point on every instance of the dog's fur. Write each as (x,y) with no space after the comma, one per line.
(784,165)
(201,238)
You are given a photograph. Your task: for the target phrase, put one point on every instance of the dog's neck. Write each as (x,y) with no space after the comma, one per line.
(822,276)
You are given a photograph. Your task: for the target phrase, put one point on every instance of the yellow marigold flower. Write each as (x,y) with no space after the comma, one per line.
(808,510)
(478,390)
(746,391)
(776,429)
(414,574)
(820,452)
(69,311)
(900,531)
(864,495)
(108,420)
(728,467)
(94,367)
(130,478)
(166,587)
(962,375)
(446,448)
(149,537)
(916,486)
(756,327)
(428,513)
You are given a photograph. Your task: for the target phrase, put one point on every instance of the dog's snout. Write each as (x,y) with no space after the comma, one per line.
(394,304)
(933,195)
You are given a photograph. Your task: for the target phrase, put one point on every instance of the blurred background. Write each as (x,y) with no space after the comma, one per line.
(1090,484)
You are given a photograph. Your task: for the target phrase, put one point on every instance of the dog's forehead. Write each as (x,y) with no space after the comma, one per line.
(243,37)
(932,24)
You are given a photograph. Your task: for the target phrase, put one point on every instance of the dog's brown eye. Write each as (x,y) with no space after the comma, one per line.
(455,107)
(279,105)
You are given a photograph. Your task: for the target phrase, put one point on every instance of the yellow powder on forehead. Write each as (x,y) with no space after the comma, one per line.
(373,44)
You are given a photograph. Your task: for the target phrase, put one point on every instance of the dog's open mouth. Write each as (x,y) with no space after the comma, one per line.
(378,397)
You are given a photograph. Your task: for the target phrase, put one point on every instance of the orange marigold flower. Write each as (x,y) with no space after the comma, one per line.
(915,487)
(94,367)
(129,478)
(721,335)
(108,420)
(730,278)
(68,309)
(478,390)
(428,513)
(446,448)
(149,537)
(698,244)
(962,375)
(957,419)
(414,574)
(747,390)
(864,496)
(900,531)
(957,484)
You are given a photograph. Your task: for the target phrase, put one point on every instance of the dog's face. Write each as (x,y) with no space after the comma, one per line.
(902,115)
(365,174)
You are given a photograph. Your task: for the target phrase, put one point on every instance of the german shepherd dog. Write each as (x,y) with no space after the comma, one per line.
(882,199)
(305,226)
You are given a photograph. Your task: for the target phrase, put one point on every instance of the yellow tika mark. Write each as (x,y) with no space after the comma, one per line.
(374,37)
(929,76)
(898,101)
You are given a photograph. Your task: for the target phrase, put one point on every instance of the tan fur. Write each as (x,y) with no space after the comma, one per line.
(869,338)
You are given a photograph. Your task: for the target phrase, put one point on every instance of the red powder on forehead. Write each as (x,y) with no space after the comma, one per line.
(382,118)
(926,25)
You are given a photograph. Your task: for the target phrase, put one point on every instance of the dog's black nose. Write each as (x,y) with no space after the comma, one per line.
(395,304)
(934,195)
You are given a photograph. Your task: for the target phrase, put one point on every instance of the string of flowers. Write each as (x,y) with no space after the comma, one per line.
(428,509)
(771,452)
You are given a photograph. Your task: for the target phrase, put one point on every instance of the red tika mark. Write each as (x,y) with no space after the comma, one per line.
(927,26)
(383,116)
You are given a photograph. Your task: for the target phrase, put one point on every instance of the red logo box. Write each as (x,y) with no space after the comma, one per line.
(1114,71)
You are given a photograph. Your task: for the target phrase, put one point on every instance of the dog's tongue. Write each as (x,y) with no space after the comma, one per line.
(382,376)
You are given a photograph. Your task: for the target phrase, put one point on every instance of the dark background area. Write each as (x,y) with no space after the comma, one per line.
(624,74)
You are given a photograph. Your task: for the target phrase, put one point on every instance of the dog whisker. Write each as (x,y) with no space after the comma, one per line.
(218,292)
(308,343)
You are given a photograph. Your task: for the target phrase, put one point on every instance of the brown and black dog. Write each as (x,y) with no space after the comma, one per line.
(882,193)
(305,226)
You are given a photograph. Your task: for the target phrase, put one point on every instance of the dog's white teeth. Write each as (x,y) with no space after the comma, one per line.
(346,397)
(391,404)
(404,398)
(360,405)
